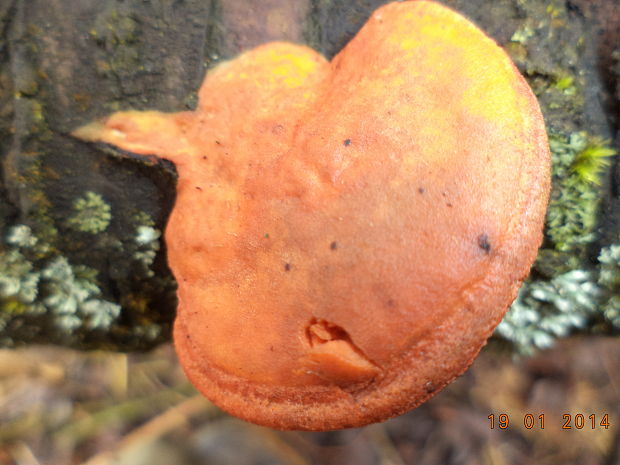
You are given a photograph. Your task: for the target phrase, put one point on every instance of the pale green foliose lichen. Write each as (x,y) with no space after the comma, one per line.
(56,287)
(609,280)
(74,298)
(546,310)
(91,214)
(21,236)
(18,282)
(147,241)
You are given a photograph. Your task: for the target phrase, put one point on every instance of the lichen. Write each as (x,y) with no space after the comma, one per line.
(52,286)
(74,298)
(21,236)
(147,240)
(566,292)
(609,280)
(546,310)
(18,281)
(91,214)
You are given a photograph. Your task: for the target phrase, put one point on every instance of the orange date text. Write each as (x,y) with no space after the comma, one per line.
(538,421)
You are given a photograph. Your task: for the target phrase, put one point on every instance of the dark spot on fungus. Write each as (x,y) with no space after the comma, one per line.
(266,236)
(429,387)
(448,204)
(204,157)
(218,142)
(347,142)
(421,190)
(199,188)
(483,243)
(287,267)
(333,245)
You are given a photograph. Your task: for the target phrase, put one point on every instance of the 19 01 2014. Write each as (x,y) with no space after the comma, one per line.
(538,420)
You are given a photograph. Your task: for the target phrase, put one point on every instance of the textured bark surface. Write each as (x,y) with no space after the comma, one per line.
(90,270)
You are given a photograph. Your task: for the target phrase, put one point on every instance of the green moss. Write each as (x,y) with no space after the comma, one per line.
(578,163)
(590,162)
(565,84)
(91,214)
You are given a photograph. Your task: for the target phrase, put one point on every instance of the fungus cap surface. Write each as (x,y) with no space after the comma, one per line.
(347,234)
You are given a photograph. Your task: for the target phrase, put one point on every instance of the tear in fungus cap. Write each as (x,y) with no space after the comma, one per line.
(347,234)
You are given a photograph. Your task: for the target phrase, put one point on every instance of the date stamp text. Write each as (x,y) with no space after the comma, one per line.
(540,421)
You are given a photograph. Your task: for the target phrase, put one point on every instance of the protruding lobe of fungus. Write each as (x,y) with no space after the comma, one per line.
(390,290)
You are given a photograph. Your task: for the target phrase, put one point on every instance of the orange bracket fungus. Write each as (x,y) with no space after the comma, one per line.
(347,234)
